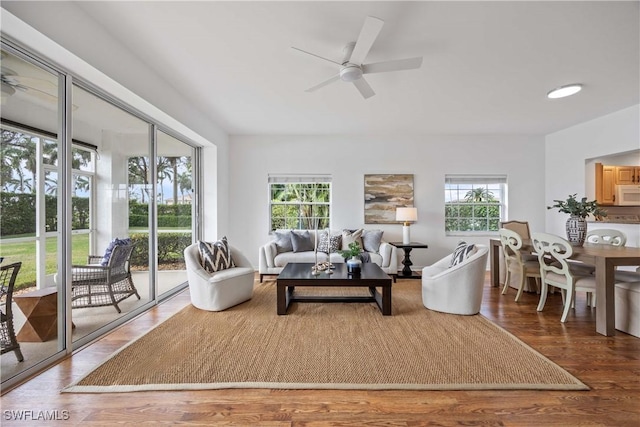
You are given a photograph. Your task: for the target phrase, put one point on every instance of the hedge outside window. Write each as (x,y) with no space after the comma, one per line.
(299,202)
(474,204)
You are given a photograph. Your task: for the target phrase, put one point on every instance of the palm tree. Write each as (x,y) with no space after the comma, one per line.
(184,181)
(479,195)
(173,163)
(138,175)
(164,172)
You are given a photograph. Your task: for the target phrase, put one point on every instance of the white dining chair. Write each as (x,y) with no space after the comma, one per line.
(515,264)
(522,228)
(606,236)
(557,272)
(609,236)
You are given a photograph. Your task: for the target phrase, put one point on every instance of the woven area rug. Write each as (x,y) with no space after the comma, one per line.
(326,346)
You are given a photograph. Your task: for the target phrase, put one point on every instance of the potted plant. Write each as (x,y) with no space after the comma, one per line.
(354,263)
(578,210)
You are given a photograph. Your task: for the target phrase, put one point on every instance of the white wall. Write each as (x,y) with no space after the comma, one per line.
(567,153)
(348,158)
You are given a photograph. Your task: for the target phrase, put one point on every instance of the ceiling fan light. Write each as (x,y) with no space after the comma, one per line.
(350,73)
(564,91)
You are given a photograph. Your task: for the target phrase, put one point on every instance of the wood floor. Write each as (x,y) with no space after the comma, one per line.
(609,365)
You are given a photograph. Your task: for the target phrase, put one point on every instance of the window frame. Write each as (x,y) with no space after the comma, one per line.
(463,185)
(303,180)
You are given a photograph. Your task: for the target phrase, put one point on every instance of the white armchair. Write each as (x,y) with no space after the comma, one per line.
(457,289)
(222,289)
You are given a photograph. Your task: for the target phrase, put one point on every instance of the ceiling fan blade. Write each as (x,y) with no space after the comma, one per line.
(324,83)
(368,35)
(317,56)
(364,88)
(395,65)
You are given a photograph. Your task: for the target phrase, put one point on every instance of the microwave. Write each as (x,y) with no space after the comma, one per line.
(628,195)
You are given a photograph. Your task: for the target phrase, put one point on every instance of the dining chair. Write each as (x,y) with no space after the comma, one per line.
(515,263)
(557,272)
(8,340)
(522,228)
(607,236)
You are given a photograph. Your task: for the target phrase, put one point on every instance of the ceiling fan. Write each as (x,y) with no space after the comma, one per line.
(352,68)
(10,82)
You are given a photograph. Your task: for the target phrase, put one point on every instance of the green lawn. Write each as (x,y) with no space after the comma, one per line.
(25,252)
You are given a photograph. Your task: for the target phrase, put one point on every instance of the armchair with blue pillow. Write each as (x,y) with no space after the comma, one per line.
(106,279)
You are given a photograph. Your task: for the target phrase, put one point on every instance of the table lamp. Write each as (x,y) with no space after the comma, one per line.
(407,216)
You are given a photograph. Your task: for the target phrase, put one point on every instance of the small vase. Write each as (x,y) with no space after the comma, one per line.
(576,230)
(354,266)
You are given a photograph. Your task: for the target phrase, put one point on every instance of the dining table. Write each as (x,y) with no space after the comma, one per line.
(605,259)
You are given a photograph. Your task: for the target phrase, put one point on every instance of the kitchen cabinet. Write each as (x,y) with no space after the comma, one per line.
(606,184)
(626,175)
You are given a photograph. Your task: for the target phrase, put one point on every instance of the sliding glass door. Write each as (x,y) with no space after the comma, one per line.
(29,205)
(98,218)
(175,209)
(103,288)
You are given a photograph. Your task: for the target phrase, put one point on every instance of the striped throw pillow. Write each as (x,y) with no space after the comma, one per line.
(462,252)
(215,256)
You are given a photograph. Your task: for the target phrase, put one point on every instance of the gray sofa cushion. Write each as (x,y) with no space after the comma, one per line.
(371,240)
(282,239)
(301,241)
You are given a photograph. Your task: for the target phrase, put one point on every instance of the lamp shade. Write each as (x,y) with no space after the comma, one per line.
(407,214)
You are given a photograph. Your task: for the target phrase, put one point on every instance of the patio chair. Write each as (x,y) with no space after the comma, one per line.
(95,285)
(8,274)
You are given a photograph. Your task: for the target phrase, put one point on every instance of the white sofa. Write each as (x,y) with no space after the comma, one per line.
(270,262)
(222,289)
(457,289)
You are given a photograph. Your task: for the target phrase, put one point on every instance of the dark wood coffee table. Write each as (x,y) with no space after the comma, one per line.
(299,274)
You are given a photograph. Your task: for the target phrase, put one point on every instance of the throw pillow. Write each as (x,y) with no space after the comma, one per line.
(351,236)
(371,240)
(462,252)
(107,253)
(332,243)
(301,241)
(283,241)
(215,256)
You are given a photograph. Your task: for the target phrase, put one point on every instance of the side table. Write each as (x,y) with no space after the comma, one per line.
(407,273)
(41,310)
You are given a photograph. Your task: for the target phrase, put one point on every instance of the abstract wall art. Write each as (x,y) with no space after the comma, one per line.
(383,193)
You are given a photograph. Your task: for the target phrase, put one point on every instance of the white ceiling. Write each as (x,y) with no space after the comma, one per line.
(487,65)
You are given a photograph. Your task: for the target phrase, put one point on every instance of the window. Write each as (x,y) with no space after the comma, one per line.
(474,203)
(299,202)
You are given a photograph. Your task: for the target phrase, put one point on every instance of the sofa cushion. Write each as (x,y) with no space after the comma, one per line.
(282,239)
(351,236)
(462,252)
(371,240)
(215,256)
(333,243)
(286,257)
(107,253)
(301,241)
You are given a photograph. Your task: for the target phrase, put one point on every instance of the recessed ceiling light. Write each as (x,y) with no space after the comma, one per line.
(563,91)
